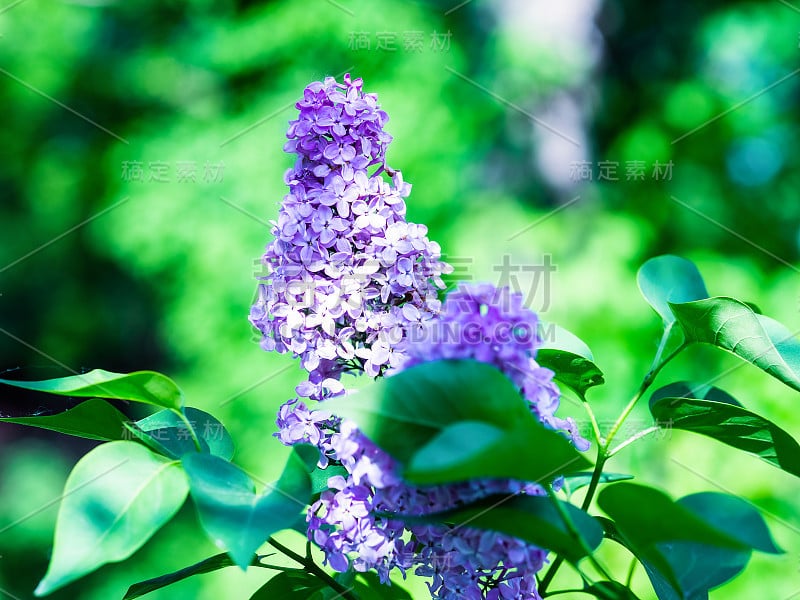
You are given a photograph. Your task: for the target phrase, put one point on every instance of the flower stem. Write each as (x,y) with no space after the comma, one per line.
(312,567)
(573,531)
(603,445)
(632,439)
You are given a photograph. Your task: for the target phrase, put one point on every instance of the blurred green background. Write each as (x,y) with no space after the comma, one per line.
(142,159)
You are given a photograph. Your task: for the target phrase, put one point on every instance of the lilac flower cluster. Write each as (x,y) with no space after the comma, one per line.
(352,287)
(493,325)
(347,274)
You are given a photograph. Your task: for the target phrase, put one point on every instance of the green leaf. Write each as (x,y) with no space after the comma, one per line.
(470,450)
(214,563)
(689,389)
(610,590)
(700,568)
(732,425)
(115,499)
(570,359)
(453,420)
(369,587)
(558,338)
(236,518)
(688,546)
(169,435)
(571,370)
(94,419)
(735,516)
(733,326)
(530,518)
(142,386)
(319,477)
(670,279)
(290,585)
(575,481)
(755,308)
(456,444)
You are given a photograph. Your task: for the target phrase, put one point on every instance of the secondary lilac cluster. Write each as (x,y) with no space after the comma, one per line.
(348,276)
(477,322)
(494,326)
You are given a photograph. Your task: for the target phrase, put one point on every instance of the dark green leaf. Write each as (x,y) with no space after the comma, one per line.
(731,425)
(307,455)
(576,481)
(237,519)
(735,516)
(214,563)
(689,389)
(610,590)
(665,279)
(530,518)
(699,567)
(661,583)
(422,410)
(733,326)
(115,499)
(291,585)
(168,434)
(319,477)
(571,370)
(94,419)
(656,518)
(142,386)
(570,359)
(686,547)
(369,587)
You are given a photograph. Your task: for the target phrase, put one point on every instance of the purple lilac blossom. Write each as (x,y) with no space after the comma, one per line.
(347,274)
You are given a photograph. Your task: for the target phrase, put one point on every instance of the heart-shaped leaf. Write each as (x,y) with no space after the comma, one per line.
(94,419)
(115,499)
(236,518)
(670,279)
(453,420)
(735,516)
(733,326)
(686,547)
(700,568)
(142,386)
